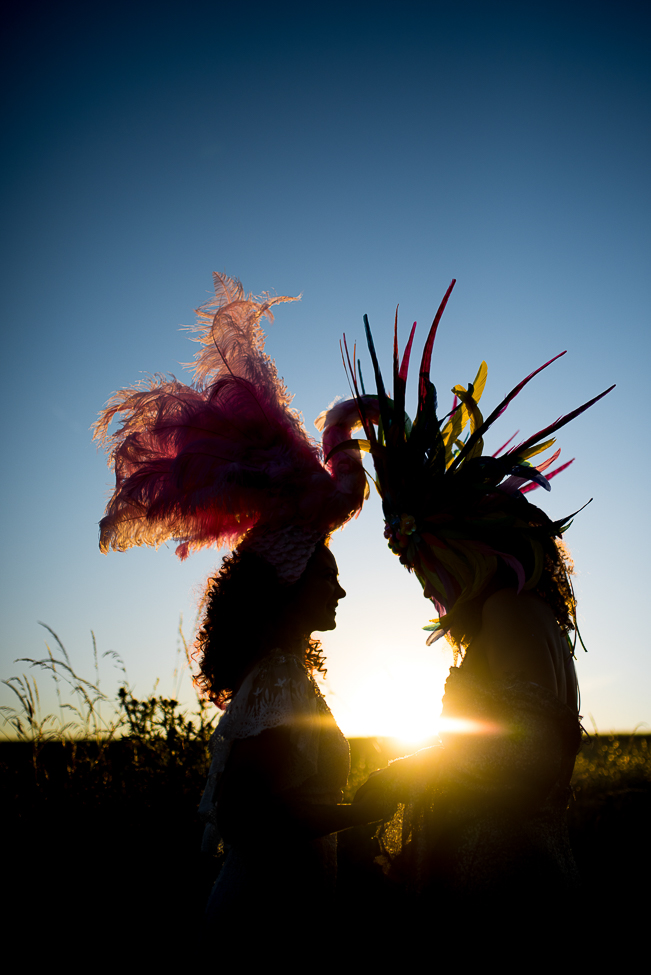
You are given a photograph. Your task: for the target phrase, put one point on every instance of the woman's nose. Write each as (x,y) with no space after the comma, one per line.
(341,591)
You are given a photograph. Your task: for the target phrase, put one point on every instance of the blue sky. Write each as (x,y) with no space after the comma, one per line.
(362,155)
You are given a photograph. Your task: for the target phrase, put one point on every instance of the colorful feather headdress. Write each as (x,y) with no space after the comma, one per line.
(225,460)
(452,513)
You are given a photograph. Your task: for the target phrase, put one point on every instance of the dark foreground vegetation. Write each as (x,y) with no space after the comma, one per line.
(105,838)
(102,841)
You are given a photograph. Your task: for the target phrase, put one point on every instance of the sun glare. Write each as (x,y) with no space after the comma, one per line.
(399,700)
(463,726)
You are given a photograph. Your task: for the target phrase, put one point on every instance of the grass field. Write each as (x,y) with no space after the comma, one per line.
(100,811)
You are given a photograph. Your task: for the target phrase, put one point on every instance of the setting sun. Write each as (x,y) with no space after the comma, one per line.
(400,699)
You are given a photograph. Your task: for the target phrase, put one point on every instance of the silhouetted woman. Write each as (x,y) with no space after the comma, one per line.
(226,461)
(482,823)
(280,763)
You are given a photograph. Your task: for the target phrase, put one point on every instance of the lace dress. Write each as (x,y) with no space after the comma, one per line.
(483,814)
(260,875)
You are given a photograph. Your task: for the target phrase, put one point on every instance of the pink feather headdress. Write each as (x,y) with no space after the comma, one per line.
(225,460)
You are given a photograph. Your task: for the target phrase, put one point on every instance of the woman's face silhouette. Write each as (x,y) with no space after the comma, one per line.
(319,592)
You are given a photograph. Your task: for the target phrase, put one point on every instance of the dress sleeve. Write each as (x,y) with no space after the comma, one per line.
(277,691)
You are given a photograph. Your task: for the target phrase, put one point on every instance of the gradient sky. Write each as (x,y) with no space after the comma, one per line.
(363,155)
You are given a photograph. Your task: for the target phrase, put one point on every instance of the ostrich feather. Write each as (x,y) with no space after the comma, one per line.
(207,463)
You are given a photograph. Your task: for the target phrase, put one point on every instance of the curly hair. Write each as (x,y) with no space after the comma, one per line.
(228,644)
(545,559)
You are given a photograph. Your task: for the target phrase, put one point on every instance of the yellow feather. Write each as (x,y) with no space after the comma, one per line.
(538,449)
(480,381)
(468,410)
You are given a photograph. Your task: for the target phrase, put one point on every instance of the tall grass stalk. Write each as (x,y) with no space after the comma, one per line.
(86,713)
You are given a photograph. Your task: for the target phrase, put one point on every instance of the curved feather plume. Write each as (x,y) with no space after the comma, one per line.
(429,344)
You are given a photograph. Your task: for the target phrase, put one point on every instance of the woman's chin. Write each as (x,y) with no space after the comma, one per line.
(327,623)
